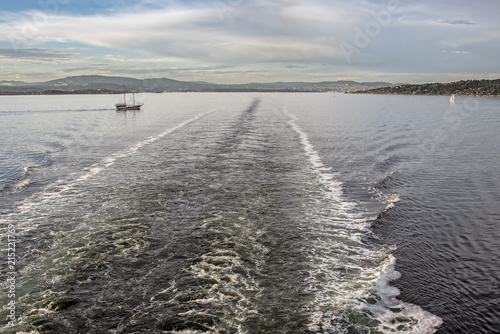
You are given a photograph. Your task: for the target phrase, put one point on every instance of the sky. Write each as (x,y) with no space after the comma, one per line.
(242,41)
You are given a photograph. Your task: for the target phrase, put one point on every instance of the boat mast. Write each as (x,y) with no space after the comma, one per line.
(124,97)
(133,97)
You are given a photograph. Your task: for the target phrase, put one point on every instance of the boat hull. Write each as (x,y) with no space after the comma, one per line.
(125,107)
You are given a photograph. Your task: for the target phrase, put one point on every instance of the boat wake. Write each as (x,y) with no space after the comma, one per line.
(61,186)
(349,278)
(234,225)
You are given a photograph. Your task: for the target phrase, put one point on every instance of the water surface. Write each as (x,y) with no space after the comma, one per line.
(247,213)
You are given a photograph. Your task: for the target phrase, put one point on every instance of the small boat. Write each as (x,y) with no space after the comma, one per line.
(452,98)
(124,106)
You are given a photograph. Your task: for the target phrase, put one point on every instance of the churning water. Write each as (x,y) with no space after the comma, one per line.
(250,213)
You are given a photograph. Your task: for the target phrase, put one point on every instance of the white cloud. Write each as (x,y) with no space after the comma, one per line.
(456,52)
(298,37)
(191,33)
(38,55)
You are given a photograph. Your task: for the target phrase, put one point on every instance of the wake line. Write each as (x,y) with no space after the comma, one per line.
(109,161)
(326,179)
(364,289)
(57,188)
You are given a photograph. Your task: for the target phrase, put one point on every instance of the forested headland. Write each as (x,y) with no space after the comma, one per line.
(464,87)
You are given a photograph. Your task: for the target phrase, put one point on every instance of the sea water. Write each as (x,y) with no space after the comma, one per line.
(250,213)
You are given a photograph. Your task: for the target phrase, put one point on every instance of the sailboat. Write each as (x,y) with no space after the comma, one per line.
(124,106)
(452,98)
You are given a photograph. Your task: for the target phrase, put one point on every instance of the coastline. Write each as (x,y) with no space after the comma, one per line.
(459,88)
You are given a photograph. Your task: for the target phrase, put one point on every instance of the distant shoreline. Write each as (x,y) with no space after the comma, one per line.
(99,85)
(459,88)
(401,94)
(51,92)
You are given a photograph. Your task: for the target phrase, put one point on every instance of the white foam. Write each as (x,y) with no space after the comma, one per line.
(395,315)
(21,184)
(109,161)
(389,202)
(57,188)
(339,277)
(327,179)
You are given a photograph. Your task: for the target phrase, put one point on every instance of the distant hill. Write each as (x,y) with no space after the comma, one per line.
(464,87)
(11,83)
(97,84)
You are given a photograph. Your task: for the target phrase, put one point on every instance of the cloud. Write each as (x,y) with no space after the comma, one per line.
(467,22)
(295,66)
(39,55)
(456,52)
(278,33)
(135,70)
(279,38)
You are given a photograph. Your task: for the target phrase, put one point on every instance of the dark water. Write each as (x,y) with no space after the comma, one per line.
(250,213)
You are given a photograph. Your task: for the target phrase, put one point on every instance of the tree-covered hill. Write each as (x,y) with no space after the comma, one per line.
(464,87)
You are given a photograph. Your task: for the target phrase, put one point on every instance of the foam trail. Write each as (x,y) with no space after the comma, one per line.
(326,179)
(346,275)
(388,310)
(59,187)
(109,161)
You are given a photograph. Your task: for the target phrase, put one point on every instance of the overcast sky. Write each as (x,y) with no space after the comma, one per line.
(238,41)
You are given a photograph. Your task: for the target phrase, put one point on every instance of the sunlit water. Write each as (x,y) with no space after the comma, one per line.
(250,213)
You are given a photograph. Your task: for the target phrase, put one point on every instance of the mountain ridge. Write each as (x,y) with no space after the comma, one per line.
(98,84)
